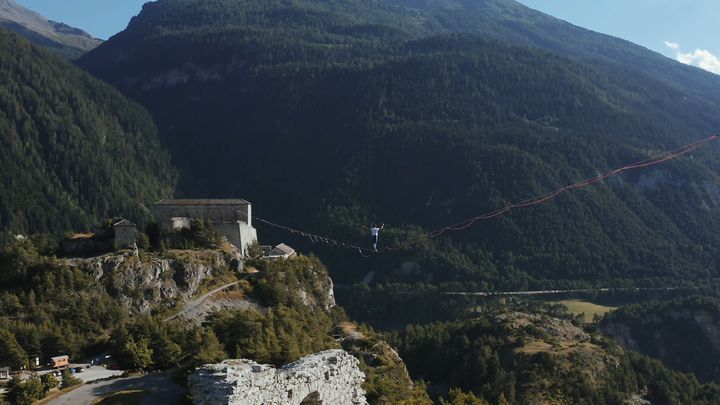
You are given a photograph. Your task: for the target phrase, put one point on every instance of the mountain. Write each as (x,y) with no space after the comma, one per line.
(683,333)
(68,41)
(367,111)
(531,356)
(510,21)
(74,151)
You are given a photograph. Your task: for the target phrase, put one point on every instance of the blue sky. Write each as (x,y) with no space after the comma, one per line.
(680,29)
(101,18)
(686,30)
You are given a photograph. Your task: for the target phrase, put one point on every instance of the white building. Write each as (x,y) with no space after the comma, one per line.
(281,251)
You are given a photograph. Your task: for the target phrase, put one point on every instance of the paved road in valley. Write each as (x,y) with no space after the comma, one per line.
(548,292)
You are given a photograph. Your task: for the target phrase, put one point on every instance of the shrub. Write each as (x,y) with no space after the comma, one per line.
(68,379)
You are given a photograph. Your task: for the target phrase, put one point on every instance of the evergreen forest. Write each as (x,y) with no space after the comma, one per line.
(73,151)
(362,112)
(330,116)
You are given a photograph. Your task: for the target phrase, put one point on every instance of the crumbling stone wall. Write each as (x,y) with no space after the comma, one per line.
(330,377)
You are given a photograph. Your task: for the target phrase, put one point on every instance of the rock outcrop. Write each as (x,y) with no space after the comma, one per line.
(328,377)
(153,283)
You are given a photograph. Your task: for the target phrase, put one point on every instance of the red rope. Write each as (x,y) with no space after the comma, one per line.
(467,223)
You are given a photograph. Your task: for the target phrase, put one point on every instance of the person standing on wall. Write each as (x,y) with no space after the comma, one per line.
(375,233)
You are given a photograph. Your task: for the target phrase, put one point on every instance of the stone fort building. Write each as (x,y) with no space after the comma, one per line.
(232,218)
(125,234)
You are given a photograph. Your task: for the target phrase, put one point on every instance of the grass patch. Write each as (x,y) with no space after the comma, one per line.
(229,294)
(128,397)
(587,309)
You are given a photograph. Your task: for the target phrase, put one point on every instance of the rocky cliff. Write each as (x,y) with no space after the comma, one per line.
(151,282)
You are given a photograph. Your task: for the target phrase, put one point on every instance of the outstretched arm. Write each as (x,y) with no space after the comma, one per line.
(382,226)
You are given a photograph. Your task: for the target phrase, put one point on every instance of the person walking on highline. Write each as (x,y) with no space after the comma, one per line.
(375,232)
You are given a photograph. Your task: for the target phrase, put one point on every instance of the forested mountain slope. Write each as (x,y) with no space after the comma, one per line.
(363,111)
(73,151)
(683,333)
(511,21)
(68,41)
(533,357)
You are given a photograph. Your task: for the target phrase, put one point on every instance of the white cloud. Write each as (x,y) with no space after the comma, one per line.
(672,45)
(700,57)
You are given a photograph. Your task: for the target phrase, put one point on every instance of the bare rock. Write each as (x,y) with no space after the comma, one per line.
(329,377)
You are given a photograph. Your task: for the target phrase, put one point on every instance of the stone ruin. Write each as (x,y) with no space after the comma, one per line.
(331,377)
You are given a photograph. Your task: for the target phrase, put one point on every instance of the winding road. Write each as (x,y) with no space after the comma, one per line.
(190,305)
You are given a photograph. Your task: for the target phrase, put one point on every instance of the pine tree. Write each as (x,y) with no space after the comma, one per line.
(457,397)
(210,350)
(139,353)
(49,382)
(10,351)
(68,379)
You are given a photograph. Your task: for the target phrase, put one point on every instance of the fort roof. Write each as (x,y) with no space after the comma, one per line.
(236,201)
(285,248)
(124,222)
(281,250)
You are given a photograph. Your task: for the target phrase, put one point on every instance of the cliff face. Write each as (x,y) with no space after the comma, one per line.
(683,334)
(146,284)
(318,293)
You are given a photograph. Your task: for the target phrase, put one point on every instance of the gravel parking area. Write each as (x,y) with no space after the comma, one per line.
(95,373)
